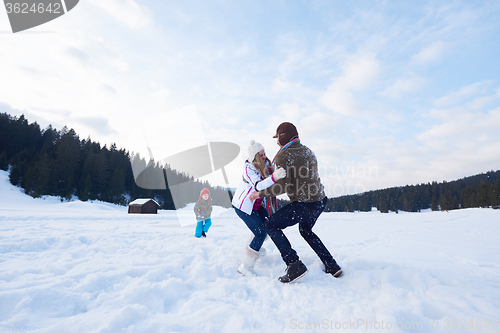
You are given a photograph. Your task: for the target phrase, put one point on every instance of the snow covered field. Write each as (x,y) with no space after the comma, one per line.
(91,267)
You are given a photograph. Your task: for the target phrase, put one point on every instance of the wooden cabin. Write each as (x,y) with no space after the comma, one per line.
(143,206)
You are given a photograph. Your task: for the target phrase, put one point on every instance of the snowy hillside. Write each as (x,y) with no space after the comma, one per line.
(91,267)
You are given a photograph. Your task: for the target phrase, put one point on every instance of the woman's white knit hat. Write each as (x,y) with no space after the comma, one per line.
(253,149)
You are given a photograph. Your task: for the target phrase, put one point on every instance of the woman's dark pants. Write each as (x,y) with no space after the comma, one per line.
(255,223)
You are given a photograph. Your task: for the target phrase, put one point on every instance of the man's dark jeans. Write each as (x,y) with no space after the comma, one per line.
(305,214)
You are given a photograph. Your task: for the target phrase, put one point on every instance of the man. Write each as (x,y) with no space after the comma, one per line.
(303,186)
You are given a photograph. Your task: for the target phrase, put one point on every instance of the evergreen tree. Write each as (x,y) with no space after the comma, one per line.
(86,188)
(483,196)
(117,186)
(445,203)
(434,204)
(37,177)
(383,207)
(455,203)
(494,196)
(4,161)
(466,197)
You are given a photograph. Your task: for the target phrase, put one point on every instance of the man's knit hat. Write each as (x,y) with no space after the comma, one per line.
(253,150)
(285,132)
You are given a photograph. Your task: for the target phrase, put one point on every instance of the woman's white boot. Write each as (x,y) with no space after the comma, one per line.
(249,258)
(262,252)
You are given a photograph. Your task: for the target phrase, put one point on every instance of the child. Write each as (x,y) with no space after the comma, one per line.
(202,209)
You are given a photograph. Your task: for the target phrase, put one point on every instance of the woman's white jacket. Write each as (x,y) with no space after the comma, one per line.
(251,182)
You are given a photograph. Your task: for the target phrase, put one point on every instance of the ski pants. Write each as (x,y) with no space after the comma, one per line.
(202,225)
(305,214)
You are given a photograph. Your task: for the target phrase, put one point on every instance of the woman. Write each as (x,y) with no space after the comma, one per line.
(257,175)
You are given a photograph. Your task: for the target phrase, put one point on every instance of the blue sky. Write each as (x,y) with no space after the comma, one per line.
(386,93)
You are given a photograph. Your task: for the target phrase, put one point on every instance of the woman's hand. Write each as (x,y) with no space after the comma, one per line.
(279,173)
(253,196)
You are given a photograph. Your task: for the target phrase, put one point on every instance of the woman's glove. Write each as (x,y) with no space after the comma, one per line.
(279,173)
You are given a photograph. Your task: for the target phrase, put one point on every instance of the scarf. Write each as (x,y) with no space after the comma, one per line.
(201,200)
(284,147)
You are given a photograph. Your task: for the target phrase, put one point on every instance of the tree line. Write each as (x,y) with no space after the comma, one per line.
(57,163)
(481,190)
(48,162)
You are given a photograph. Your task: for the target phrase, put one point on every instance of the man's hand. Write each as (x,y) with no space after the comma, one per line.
(253,196)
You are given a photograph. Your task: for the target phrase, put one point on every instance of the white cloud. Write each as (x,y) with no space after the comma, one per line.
(81,80)
(340,101)
(284,86)
(359,72)
(431,54)
(318,124)
(404,86)
(127,12)
(462,128)
(456,97)
(290,111)
(481,103)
